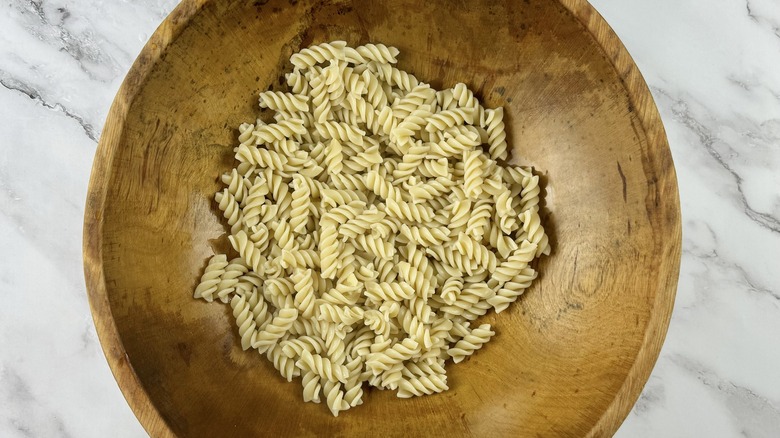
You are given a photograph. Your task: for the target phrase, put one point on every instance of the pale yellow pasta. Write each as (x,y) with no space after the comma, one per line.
(512,289)
(284,102)
(317,54)
(278,327)
(373,220)
(323,366)
(393,76)
(230,278)
(210,280)
(422,385)
(473,341)
(304,292)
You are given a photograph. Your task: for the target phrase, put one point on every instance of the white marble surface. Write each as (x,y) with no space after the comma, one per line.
(714,69)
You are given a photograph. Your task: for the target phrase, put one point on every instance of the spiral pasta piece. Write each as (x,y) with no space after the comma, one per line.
(532,226)
(310,56)
(451,290)
(274,330)
(334,397)
(230,278)
(304,292)
(375,245)
(394,76)
(449,118)
(464,97)
(477,223)
(230,208)
(530,194)
(472,174)
(279,131)
(329,250)
(293,348)
(211,278)
(361,223)
(299,259)
(375,94)
(372,52)
(415,328)
(416,278)
(407,211)
(425,236)
(320,100)
(237,184)
(421,94)
(494,125)
(471,342)
(422,385)
(348,315)
(341,131)
(516,262)
(401,351)
(394,291)
(245,321)
(287,102)
(311,386)
(246,248)
(474,250)
(512,289)
(413,123)
(322,366)
(382,187)
(300,205)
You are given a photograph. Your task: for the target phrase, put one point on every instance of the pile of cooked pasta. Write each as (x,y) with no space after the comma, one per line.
(374,220)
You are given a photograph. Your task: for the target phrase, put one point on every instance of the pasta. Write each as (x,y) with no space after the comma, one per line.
(373,220)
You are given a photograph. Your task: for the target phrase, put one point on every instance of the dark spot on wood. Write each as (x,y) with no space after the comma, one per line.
(533,394)
(184,351)
(344,10)
(623,179)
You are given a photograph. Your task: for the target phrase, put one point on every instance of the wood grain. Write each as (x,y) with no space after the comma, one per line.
(570,357)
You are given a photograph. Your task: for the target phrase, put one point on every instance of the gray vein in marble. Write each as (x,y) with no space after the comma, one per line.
(711,256)
(13,84)
(750,85)
(707,139)
(81,47)
(25,402)
(742,401)
(775,28)
(652,394)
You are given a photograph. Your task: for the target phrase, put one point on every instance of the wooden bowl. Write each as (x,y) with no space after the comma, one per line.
(570,358)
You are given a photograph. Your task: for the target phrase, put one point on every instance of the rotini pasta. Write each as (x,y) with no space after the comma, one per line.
(373,220)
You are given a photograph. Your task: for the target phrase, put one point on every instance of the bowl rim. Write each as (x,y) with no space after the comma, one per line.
(167,32)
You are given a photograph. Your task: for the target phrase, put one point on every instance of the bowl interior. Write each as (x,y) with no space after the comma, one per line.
(564,354)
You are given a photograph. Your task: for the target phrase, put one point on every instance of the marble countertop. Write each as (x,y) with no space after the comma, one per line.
(713,68)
